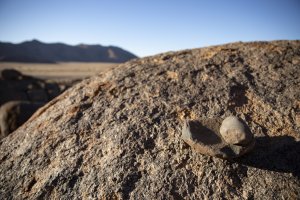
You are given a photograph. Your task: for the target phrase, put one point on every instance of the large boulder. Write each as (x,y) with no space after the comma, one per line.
(117,135)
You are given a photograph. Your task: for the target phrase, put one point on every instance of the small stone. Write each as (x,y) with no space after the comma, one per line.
(204,138)
(233,131)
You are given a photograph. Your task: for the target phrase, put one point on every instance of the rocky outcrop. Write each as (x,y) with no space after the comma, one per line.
(14,113)
(117,135)
(15,86)
(21,96)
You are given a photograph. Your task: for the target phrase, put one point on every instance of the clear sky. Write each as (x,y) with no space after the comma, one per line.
(149,27)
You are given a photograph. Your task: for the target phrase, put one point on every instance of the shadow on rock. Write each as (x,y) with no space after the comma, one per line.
(205,135)
(280,154)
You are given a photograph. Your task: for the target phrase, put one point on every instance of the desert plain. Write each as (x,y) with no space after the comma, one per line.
(59,71)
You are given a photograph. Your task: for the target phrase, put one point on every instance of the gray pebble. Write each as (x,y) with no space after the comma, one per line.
(233,131)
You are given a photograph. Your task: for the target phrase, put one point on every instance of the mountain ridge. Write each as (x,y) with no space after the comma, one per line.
(36,51)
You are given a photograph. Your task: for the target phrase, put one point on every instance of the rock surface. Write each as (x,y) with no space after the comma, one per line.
(117,135)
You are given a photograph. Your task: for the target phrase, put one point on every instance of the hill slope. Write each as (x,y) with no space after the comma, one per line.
(36,51)
(118,135)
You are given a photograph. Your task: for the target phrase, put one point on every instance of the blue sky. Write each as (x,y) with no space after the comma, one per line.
(149,27)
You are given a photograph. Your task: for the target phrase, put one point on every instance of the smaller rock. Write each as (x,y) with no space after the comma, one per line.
(204,138)
(233,131)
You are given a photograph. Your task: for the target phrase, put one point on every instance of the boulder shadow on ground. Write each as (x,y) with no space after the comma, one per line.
(279,154)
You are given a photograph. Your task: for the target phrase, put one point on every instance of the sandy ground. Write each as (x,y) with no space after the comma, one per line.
(66,70)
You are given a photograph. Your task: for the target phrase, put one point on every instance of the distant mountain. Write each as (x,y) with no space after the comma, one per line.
(36,51)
